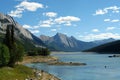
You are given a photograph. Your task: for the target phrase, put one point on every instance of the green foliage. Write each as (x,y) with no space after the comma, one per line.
(19,72)
(32,53)
(17,53)
(7,39)
(108,47)
(4,55)
(45,52)
(39,51)
(15,50)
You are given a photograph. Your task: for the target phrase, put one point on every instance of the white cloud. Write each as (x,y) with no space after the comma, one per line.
(100,36)
(114,9)
(110,28)
(34,31)
(100,12)
(106,20)
(66,19)
(26,26)
(30,6)
(53,30)
(35,27)
(113,21)
(30,27)
(17,13)
(25,5)
(68,24)
(46,23)
(50,14)
(95,30)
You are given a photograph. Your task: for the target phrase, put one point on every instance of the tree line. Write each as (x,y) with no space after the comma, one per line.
(12,52)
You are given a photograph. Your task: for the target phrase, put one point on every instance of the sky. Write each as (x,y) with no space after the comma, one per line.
(86,20)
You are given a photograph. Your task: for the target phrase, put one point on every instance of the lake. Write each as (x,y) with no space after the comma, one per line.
(94,70)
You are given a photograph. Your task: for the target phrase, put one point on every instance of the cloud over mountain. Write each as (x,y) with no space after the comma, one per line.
(90,37)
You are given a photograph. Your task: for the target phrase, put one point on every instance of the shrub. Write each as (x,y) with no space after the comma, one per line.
(45,52)
(39,51)
(32,53)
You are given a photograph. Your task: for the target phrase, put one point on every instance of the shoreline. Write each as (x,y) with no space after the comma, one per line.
(40,59)
(50,60)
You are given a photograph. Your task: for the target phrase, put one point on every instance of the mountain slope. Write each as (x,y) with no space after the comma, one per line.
(62,42)
(24,36)
(100,42)
(108,47)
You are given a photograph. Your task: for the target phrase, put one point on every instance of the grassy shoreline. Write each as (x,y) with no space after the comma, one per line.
(21,72)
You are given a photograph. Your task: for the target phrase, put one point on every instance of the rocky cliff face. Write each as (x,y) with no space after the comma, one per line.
(20,33)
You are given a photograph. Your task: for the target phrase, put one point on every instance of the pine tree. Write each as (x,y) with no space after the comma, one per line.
(7,39)
(4,55)
(16,51)
(10,42)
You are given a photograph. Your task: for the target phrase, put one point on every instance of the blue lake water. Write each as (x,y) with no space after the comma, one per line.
(94,70)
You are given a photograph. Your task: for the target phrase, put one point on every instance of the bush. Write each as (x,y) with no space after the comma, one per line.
(45,52)
(4,55)
(31,53)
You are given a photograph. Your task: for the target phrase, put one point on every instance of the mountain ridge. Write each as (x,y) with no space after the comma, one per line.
(21,34)
(64,43)
(108,47)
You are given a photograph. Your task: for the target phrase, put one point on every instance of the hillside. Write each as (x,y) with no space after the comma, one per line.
(108,47)
(22,35)
(100,42)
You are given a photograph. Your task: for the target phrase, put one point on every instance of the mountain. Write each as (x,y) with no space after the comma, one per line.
(108,47)
(62,42)
(100,42)
(22,35)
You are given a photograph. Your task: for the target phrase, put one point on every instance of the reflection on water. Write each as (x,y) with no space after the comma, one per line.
(94,70)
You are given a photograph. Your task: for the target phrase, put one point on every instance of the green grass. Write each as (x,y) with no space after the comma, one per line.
(19,72)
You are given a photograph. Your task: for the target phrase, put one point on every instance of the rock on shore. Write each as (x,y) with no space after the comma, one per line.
(67,63)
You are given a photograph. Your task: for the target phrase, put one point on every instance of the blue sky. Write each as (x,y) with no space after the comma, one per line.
(86,20)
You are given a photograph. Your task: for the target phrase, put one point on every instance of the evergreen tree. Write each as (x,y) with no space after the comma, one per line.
(19,52)
(4,55)
(16,51)
(7,39)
